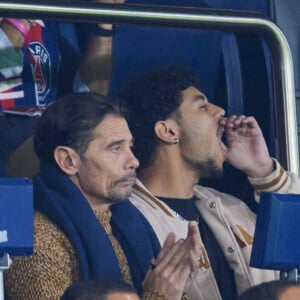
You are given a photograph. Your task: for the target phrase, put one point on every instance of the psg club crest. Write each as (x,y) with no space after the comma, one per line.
(41,71)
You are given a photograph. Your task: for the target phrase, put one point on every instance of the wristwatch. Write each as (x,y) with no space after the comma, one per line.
(100,31)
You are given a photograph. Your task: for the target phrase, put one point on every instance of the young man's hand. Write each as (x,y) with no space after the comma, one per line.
(247,149)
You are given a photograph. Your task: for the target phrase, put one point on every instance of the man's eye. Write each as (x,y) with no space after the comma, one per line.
(203,107)
(116,149)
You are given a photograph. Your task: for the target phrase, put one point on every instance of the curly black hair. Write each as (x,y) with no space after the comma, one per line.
(153,97)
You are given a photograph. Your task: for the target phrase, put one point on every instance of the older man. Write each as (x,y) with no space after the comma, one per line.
(178,141)
(84,229)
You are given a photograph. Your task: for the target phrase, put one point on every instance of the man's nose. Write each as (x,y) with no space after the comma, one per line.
(132,161)
(217,111)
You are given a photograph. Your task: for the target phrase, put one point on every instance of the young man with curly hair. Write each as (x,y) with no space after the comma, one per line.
(178,141)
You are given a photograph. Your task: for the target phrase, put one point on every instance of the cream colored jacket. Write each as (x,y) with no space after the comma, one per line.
(230,220)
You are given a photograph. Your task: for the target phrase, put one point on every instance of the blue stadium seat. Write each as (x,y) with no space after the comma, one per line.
(16,221)
(276,243)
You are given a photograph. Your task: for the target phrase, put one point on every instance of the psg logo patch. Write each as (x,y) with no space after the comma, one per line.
(41,71)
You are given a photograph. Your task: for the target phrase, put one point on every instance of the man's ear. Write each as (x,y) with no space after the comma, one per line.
(167,131)
(67,159)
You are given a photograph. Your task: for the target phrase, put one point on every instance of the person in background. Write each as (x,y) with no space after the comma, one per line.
(84,226)
(100,290)
(36,57)
(275,290)
(178,137)
(41,60)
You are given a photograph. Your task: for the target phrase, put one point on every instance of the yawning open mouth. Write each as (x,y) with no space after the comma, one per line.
(220,131)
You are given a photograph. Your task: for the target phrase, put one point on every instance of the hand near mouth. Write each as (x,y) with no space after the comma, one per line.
(246,146)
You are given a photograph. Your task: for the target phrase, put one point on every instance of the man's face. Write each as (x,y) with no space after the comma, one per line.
(200,133)
(106,173)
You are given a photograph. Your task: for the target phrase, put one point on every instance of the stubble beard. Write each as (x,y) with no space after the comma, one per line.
(206,166)
(117,193)
(209,170)
(117,196)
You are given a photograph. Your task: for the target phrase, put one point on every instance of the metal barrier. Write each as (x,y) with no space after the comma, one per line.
(283,74)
